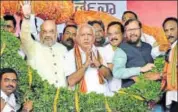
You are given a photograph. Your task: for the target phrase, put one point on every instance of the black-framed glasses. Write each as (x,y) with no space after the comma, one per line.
(133,29)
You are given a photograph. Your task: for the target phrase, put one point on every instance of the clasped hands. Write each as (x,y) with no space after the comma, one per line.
(91,60)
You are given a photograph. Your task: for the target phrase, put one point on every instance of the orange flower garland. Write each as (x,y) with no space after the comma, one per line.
(159,35)
(58,10)
(81,17)
(62,11)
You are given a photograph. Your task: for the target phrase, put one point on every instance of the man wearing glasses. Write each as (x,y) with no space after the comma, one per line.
(136,57)
(147,38)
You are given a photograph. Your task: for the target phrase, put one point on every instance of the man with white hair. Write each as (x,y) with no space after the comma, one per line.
(85,65)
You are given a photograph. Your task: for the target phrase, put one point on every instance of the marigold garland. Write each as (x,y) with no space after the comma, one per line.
(61,11)
(81,17)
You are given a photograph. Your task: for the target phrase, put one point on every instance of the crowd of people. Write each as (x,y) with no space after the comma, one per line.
(100,59)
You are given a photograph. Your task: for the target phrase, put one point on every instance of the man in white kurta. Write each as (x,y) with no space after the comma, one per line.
(45,56)
(90,65)
(91,74)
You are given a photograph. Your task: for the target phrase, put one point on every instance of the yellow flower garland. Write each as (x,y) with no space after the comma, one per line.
(135,96)
(55,100)
(108,109)
(2,49)
(77,102)
(29,76)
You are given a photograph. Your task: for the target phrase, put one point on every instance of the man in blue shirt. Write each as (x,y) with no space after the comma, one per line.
(135,56)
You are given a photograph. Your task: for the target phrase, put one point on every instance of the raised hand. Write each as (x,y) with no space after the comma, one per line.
(26,8)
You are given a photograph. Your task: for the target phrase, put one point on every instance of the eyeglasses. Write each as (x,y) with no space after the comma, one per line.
(133,29)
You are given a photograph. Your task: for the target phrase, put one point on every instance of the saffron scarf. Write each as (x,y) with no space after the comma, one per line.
(78,61)
(170,76)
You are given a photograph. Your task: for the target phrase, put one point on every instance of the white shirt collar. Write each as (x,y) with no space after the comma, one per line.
(9,99)
(172,46)
(4,96)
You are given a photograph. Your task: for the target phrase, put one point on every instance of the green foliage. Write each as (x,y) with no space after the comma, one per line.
(126,103)
(66,100)
(159,63)
(42,94)
(92,102)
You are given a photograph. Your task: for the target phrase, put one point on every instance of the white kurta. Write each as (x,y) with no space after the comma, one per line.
(48,61)
(155,52)
(108,52)
(10,102)
(91,74)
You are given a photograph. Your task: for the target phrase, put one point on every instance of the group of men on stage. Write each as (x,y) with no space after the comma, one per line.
(97,58)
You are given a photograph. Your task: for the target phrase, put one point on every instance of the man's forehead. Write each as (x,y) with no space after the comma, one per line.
(129,15)
(116,26)
(132,24)
(171,23)
(85,28)
(9,22)
(71,29)
(48,24)
(97,25)
(86,31)
(9,76)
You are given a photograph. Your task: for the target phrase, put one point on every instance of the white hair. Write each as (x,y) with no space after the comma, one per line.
(85,25)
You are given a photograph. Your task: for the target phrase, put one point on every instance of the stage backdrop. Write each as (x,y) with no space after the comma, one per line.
(151,13)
